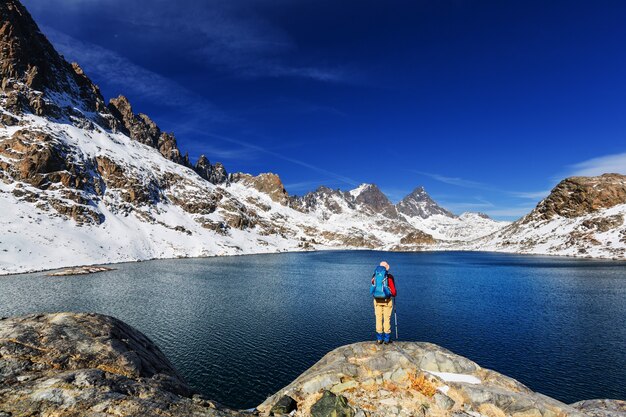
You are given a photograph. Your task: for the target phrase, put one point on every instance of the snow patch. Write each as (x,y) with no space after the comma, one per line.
(452,377)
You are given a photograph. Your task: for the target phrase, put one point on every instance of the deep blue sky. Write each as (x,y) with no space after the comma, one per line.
(486,103)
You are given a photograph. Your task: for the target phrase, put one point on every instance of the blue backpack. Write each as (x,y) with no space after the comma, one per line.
(380,287)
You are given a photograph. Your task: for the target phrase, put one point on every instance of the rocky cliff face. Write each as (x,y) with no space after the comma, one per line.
(76,364)
(369,198)
(142,129)
(215,174)
(33,73)
(579,196)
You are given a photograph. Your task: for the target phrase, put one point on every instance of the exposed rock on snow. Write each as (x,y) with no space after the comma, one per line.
(268,183)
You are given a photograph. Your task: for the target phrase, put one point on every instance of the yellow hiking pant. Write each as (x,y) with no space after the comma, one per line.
(383,310)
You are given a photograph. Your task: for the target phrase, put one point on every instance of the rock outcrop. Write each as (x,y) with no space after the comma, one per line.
(266,183)
(418,238)
(411,379)
(31,71)
(144,130)
(370,198)
(578,196)
(68,364)
(215,174)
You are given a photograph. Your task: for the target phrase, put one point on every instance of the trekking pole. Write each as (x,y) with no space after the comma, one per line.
(395,315)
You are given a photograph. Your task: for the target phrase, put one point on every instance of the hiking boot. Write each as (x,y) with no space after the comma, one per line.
(379,342)
(379,338)
(387,338)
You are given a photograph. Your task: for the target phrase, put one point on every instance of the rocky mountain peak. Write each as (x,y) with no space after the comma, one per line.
(215,174)
(419,204)
(142,128)
(267,183)
(371,196)
(577,196)
(29,65)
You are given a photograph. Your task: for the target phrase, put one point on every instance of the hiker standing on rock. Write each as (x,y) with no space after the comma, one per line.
(383,288)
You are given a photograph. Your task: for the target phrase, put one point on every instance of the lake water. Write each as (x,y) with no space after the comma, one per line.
(240,328)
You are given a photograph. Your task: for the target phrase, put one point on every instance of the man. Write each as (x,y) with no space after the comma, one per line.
(383,289)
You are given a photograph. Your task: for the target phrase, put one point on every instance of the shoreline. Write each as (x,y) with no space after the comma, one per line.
(108,264)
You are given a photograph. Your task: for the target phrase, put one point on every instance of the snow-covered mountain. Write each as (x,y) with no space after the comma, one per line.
(419,204)
(83,181)
(582,216)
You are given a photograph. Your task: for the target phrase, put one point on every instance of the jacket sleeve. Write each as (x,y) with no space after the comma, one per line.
(392,285)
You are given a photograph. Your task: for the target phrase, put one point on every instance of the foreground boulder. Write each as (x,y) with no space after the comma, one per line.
(411,379)
(68,364)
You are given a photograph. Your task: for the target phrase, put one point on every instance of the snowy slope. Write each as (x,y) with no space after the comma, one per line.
(600,234)
(36,236)
(466,227)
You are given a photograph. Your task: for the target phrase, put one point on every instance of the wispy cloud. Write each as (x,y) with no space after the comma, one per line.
(131,79)
(233,35)
(477,204)
(465,183)
(530,195)
(607,164)
(284,105)
(510,212)
(337,177)
(309,185)
(220,154)
(460,182)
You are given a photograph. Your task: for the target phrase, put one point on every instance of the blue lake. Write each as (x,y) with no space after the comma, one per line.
(240,328)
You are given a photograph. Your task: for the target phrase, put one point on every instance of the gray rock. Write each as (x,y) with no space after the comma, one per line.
(443,401)
(602,408)
(331,405)
(285,405)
